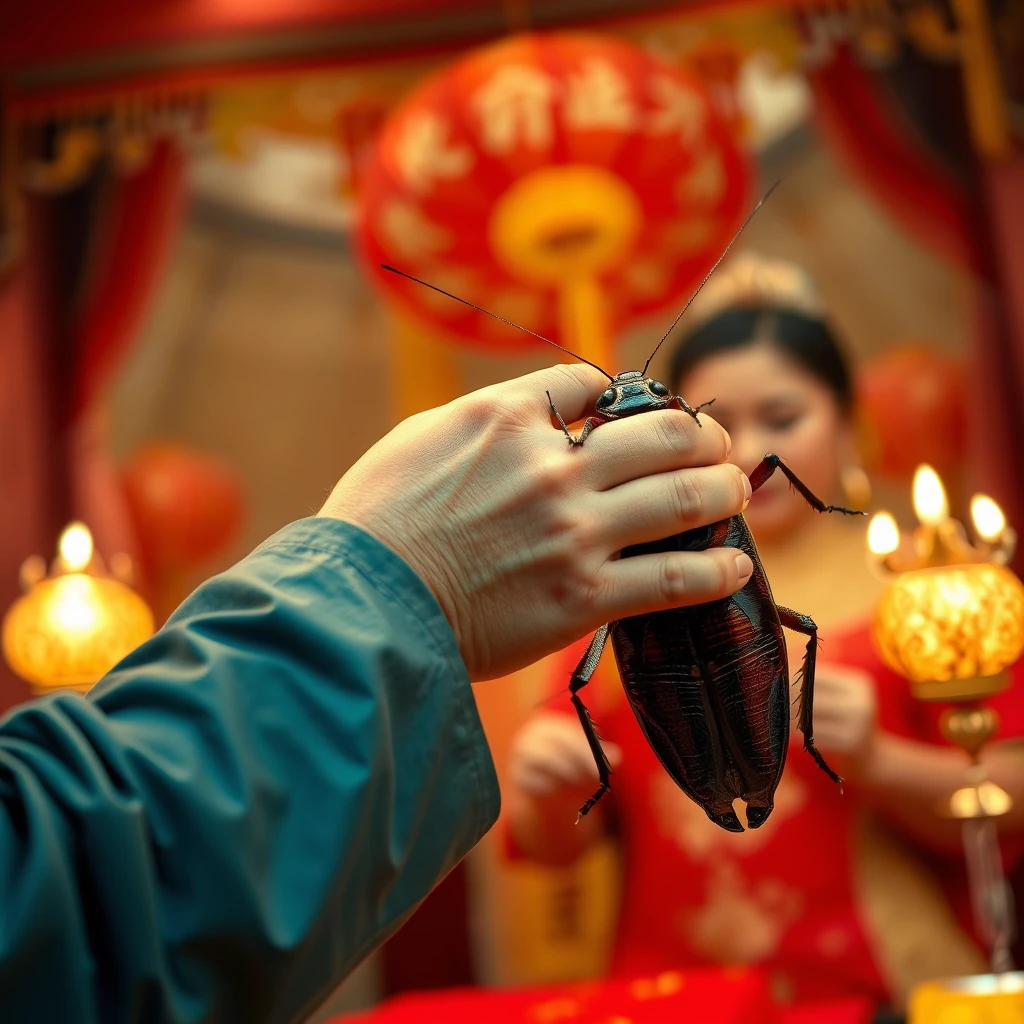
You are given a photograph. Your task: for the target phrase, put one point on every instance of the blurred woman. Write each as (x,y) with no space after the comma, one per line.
(860,893)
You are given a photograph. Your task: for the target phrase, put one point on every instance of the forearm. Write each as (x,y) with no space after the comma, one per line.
(247,805)
(911,782)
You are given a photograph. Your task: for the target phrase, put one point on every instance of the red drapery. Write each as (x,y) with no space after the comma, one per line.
(867,134)
(63,331)
(981,232)
(974,229)
(139,229)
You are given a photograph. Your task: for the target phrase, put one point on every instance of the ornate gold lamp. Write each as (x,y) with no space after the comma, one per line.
(952,623)
(76,622)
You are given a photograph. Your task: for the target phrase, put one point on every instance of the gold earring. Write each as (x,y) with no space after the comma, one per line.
(856,485)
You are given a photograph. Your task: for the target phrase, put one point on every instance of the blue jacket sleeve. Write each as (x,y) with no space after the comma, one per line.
(247,805)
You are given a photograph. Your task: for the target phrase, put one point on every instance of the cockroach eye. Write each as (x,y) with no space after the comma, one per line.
(606,399)
(657,388)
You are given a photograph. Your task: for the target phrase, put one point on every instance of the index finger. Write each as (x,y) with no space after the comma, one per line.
(574,388)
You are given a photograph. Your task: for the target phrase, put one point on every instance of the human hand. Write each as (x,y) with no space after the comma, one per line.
(517,533)
(845,715)
(551,759)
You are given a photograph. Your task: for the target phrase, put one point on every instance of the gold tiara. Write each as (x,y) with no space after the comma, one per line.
(753,280)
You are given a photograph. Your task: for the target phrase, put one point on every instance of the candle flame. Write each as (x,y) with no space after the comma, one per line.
(988,517)
(883,534)
(930,502)
(75,547)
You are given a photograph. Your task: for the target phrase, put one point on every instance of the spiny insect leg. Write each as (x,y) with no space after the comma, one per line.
(587,427)
(581,676)
(771,462)
(686,407)
(804,624)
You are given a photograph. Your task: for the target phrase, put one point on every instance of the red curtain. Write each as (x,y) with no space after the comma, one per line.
(68,315)
(877,144)
(143,216)
(24,453)
(983,233)
(974,227)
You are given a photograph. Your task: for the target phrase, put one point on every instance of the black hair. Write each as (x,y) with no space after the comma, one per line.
(807,340)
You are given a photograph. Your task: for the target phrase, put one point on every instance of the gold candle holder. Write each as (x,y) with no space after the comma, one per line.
(951,623)
(75,622)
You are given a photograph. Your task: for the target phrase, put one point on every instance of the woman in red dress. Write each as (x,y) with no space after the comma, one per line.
(854,894)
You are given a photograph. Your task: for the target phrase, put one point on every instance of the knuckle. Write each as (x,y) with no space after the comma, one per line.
(675,579)
(688,497)
(478,410)
(675,432)
(550,475)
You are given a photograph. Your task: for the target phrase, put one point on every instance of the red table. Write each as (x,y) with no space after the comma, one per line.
(727,996)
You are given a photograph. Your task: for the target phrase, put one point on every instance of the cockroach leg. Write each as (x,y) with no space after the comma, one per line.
(587,427)
(771,462)
(581,676)
(805,624)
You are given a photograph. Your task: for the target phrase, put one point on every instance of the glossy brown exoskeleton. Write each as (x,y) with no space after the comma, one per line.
(709,684)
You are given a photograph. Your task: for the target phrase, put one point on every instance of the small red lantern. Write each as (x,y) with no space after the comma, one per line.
(568,182)
(912,410)
(187,505)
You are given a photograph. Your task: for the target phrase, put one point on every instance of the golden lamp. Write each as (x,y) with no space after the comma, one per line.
(951,622)
(76,622)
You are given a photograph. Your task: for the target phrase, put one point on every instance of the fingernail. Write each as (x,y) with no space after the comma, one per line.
(747,492)
(728,445)
(744,566)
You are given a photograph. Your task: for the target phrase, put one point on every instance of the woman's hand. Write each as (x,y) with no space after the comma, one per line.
(552,774)
(517,533)
(845,717)
(551,759)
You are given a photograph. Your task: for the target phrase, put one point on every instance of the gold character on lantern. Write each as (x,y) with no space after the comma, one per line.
(407,233)
(514,108)
(681,110)
(704,184)
(423,155)
(599,97)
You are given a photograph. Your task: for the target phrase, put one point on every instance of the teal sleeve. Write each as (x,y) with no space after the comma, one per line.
(246,806)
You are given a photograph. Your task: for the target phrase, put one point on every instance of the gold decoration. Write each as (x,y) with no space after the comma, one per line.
(76,624)
(947,624)
(952,623)
(856,486)
(752,280)
(978,999)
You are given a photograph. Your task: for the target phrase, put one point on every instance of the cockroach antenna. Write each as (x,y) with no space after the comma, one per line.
(569,352)
(480,309)
(725,252)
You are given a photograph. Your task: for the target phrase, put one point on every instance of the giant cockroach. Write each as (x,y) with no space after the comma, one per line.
(709,684)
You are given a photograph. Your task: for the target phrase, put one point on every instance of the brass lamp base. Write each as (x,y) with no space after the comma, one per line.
(972,689)
(982,997)
(971,728)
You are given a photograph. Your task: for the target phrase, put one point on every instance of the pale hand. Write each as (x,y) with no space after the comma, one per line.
(517,533)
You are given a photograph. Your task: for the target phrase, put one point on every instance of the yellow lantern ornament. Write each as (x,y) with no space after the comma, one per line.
(76,623)
(952,623)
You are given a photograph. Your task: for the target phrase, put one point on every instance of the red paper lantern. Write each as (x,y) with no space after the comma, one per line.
(913,409)
(546,175)
(186,505)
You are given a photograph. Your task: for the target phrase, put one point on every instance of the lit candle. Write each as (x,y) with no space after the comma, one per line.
(75,547)
(930,504)
(988,518)
(998,540)
(883,534)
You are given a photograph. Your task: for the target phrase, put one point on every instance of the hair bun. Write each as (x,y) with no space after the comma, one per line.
(752,280)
